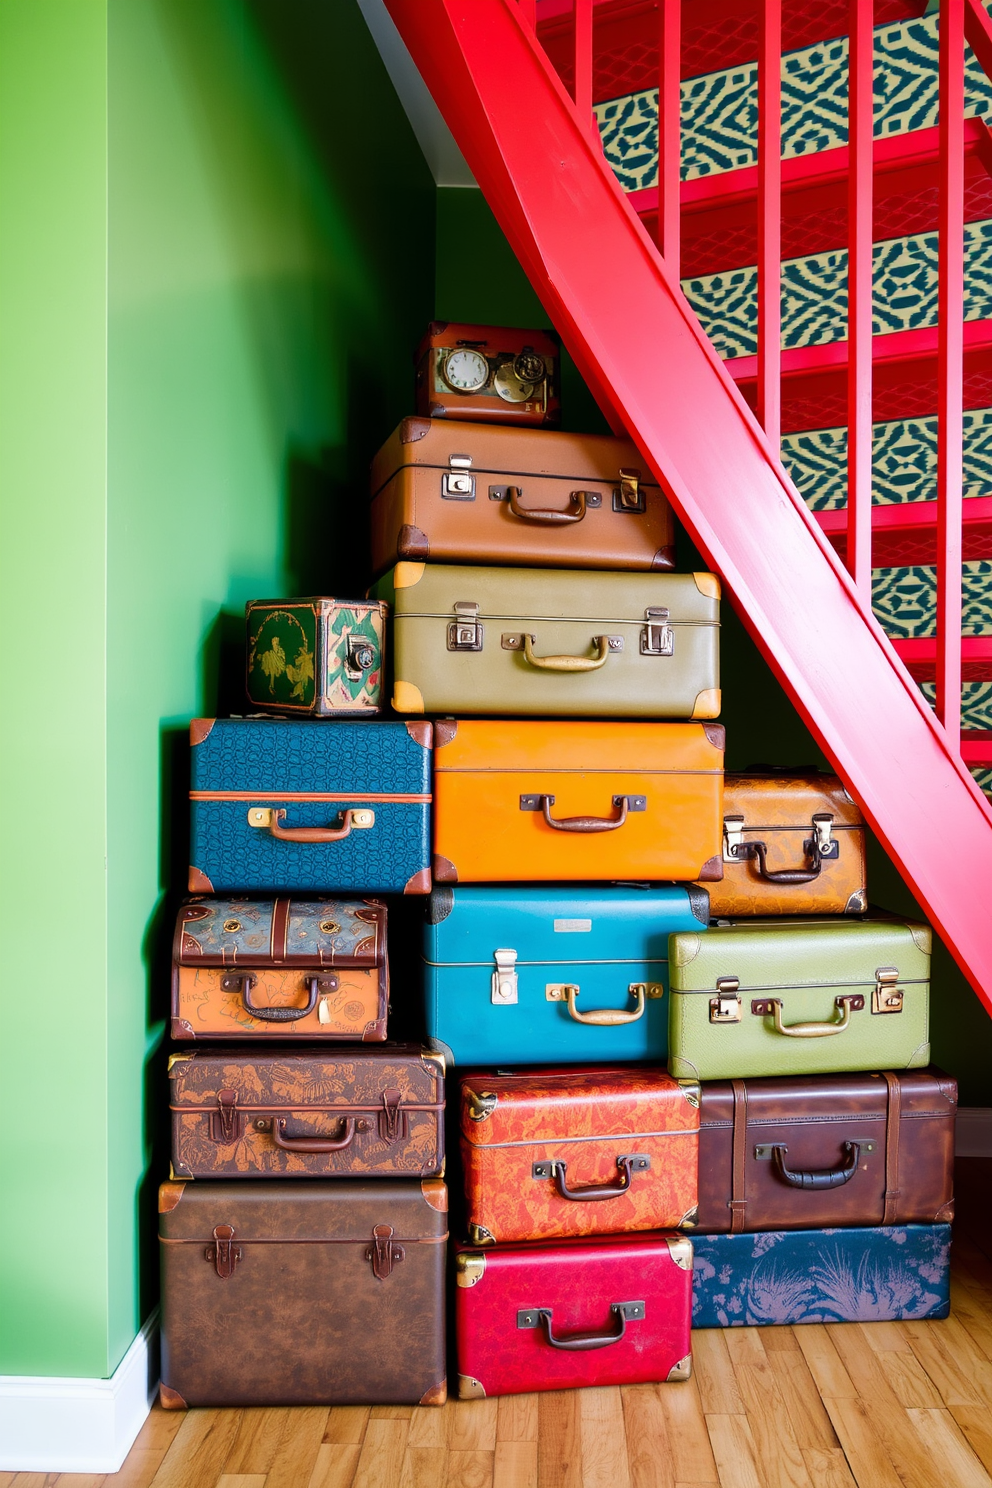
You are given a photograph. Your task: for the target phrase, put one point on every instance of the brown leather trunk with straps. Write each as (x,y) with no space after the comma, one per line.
(793,844)
(257,1113)
(824,1151)
(320,1293)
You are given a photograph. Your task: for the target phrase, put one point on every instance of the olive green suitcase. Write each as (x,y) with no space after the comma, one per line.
(553,642)
(798,997)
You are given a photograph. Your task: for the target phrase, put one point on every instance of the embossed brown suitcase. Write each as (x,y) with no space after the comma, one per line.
(259,1113)
(793,844)
(475,493)
(320,1293)
(821,1151)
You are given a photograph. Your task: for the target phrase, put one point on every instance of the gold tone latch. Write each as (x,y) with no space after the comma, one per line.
(504,983)
(458,482)
(887,996)
(629,497)
(725,1007)
(657,636)
(733,837)
(465,632)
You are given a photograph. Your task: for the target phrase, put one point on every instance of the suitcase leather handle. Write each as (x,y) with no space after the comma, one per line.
(596,1191)
(577,1343)
(309,834)
(312,1144)
(584,823)
(547,515)
(279,1014)
(773,1005)
(817,1178)
(605,1017)
(568,663)
(743,850)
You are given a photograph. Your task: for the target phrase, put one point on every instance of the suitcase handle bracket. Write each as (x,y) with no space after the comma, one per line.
(540,1317)
(628,1163)
(567,992)
(244,981)
(771,1007)
(548,516)
(268,818)
(604,644)
(818,1178)
(315,1144)
(623,804)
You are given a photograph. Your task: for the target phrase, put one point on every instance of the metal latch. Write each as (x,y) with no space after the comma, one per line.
(725,1007)
(887,996)
(733,837)
(224,1253)
(227,1122)
(359,654)
(629,497)
(383,1252)
(821,843)
(465,632)
(458,482)
(657,636)
(504,984)
(392,1118)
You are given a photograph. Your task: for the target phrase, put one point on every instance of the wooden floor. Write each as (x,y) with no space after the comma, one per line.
(880,1405)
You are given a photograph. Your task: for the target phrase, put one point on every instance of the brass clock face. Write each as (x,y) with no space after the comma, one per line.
(465,371)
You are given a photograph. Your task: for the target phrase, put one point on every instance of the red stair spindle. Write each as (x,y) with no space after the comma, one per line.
(859,295)
(770,221)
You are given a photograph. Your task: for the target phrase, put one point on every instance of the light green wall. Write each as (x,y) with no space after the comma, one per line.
(210,313)
(478,278)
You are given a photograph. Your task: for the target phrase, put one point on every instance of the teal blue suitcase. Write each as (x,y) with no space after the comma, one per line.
(519,975)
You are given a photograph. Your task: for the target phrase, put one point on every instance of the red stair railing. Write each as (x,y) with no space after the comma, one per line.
(619,307)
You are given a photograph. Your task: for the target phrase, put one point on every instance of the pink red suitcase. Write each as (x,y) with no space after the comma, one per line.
(563,1315)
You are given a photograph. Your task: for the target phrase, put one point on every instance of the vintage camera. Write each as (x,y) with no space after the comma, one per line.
(488,374)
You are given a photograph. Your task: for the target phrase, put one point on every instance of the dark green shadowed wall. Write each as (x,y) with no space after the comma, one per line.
(220,229)
(478,278)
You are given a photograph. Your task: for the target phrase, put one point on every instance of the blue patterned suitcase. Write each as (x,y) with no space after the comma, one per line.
(286,806)
(890,1274)
(565,975)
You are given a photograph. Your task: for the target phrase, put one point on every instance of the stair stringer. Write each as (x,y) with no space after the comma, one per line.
(609,295)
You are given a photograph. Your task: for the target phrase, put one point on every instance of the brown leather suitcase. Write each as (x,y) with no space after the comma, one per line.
(793,844)
(477,493)
(259,1113)
(320,1293)
(825,1151)
(282,968)
(485,373)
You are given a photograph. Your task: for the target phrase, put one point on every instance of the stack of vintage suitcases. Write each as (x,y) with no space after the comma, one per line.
(665,1004)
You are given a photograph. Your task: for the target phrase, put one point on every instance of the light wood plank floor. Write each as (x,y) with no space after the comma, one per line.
(881,1405)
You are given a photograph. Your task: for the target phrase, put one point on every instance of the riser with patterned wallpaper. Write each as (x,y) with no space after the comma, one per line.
(905,599)
(719,110)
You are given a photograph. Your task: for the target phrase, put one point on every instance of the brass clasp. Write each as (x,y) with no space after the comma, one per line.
(725,1007)
(887,996)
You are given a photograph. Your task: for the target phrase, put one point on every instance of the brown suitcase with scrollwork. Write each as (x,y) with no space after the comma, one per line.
(812,1152)
(260,1113)
(319,1293)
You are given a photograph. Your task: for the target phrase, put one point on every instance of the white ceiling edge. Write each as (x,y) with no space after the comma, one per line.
(437,143)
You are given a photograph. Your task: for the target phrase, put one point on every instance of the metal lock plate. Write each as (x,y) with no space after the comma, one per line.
(363,818)
(359,655)
(887,996)
(458,482)
(725,1007)
(465,633)
(504,978)
(733,837)
(657,636)
(826,847)
(650,989)
(629,497)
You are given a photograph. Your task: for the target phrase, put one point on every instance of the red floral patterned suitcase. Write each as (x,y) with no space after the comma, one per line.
(573,1313)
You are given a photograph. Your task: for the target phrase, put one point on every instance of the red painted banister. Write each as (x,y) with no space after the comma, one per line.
(649,363)
(860,276)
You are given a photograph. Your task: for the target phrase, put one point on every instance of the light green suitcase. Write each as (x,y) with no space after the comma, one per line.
(553,642)
(799,997)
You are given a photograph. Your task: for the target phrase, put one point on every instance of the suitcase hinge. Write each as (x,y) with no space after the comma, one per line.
(224,1253)
(504,983)
(359,655)
(629,497)
(733,837)
(383,1252)
(465,632)
(392,1119)
(458,482)
(725,1007)
(228,1120)
(887,996)
(657,636)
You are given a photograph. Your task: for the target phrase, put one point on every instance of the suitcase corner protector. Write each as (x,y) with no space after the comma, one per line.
(444,870)
(407,698)
(170,1399)
(707,704)
(419,882)
(436,1395)
(470,1388)
(680,1371)
(198,882)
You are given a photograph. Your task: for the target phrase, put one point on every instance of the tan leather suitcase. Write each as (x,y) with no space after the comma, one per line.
(487,373)
(478,493)
(559,801)
(793,844)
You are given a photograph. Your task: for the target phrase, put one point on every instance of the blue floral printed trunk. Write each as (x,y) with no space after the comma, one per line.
(890,1274)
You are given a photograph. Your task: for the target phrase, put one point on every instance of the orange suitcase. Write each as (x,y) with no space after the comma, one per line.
(554,801)
(476,493)
(488,372)
(555,1153)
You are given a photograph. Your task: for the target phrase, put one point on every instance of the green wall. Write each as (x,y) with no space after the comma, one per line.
(478,278)
(210,304)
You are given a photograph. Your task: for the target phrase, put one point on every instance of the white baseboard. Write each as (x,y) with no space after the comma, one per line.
(973,1132)
(50,1425)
